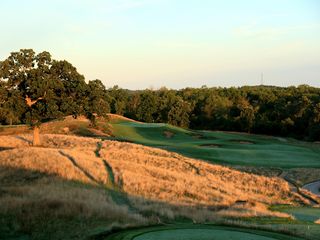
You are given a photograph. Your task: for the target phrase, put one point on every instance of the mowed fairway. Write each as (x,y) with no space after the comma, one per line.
(221,147)
(194,232)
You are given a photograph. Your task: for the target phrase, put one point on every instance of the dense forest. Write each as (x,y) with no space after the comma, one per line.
(57,89)
(291,111)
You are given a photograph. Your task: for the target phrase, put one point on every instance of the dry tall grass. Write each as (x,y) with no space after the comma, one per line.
(156,180)
(48,207)
(162,175)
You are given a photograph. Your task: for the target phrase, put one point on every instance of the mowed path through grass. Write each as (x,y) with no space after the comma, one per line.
(222,147)
(196,232)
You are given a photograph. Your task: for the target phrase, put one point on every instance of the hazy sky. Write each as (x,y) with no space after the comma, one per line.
(174,43)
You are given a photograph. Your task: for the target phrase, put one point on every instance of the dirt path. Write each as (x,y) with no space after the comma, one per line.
(313,187)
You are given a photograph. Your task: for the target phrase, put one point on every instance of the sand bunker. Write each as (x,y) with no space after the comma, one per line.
(200,136)
(212,145)
(168,134)
(242,141)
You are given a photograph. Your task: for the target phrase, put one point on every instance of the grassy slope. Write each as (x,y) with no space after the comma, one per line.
(181,141)
(264,151)
(44,195)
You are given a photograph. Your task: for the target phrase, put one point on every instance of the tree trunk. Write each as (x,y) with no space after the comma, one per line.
(36,136)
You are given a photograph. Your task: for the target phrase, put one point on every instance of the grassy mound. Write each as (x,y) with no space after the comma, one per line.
(142,171)
(90,184)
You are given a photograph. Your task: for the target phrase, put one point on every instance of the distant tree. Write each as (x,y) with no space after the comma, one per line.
(179,113)
(132,105)
(166,100)
(49,88)
(97,103)
(216,110)
(147,107)
(118,100)
(246,115)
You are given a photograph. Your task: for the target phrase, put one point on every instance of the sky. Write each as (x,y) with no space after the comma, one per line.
(138,44)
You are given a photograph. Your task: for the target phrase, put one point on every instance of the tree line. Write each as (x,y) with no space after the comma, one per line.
(282,111)
(35,88)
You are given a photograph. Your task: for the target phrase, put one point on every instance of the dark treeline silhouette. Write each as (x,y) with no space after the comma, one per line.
(35,88)
(290,111)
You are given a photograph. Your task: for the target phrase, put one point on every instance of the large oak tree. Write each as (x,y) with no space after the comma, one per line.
(48,88)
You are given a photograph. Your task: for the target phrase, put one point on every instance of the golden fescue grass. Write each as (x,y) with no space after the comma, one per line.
(14,141)
(251,209)
(50,141)
(57,198)
(95,167)
(52,208)
(157,180)
(80,126)
(162,175)
(116,117)
(48,161)
(14,130)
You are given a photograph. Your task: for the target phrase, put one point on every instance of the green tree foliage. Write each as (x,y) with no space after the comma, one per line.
(292,111)
(55,88)
(148,106)
(179,113)
(43,88)
(118,100)
(97,100)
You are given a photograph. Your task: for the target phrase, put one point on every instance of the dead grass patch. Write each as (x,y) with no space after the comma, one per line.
(186,181)
(163,182)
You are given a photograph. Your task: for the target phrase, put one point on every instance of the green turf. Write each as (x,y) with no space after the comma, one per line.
(306,214)
(196,232)
(263,150)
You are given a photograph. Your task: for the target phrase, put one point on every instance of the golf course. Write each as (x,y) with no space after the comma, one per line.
(221,147)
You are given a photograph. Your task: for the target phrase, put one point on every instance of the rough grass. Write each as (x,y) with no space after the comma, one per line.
(155,185)
(51,208)
(140,171)
(159,174)
(65,184)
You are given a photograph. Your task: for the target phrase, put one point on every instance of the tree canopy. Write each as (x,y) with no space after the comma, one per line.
(36,88)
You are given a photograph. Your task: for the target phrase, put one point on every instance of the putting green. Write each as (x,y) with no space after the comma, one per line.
(222,147)
(196,232)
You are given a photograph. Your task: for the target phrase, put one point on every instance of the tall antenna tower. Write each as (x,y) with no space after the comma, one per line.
(261,83)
